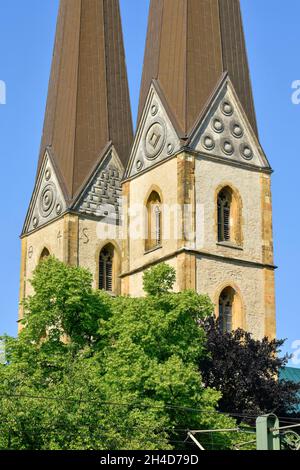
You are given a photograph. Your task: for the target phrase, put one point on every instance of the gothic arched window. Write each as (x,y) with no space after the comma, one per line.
(154,221)
(106,271)
(45,254)
(229,215)
(224,214)
(226,301)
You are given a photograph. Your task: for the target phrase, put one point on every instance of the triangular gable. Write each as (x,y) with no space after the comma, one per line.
(225,131)
(101,196)
(155,139)
(48,201)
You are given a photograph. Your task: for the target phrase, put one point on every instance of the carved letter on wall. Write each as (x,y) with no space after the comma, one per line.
(84,236)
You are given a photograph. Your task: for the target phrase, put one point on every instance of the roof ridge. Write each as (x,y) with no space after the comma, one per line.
(76,112)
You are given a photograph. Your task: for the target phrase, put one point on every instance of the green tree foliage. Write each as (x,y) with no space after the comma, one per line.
(92,372)
(246,372)
(159,280)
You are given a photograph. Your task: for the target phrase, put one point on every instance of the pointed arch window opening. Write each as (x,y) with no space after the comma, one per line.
(154,222)
(106,259)
(224,214)
(225,310)
(45,254)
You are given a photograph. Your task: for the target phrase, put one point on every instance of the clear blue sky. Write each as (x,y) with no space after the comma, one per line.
(26,41)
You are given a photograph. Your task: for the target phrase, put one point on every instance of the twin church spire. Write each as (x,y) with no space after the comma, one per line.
(115,203)
(88,100)
(190,45)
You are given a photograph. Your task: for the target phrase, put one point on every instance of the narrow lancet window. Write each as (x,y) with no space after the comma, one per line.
(106,259)
(224,214)
(154,221)
(225,309)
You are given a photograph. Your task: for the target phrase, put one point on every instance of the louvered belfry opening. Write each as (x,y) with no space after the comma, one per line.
(224,212)
(106,260)
(225,309)
(158,225)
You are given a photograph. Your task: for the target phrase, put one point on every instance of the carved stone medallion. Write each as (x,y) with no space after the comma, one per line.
(155,140)
(47,199)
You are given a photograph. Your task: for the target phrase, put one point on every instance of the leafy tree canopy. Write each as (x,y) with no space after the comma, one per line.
(92,372)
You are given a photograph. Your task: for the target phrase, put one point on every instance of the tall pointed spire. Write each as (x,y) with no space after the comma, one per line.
(88,100)
(190,45)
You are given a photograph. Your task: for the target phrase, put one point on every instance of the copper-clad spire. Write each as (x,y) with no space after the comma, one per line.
(190,45)
(88,99)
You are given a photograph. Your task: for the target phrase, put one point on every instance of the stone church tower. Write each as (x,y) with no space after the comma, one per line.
(192,188)
(85,145)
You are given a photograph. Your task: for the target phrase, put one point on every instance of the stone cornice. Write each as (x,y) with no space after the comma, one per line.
(204,156)
(204,254)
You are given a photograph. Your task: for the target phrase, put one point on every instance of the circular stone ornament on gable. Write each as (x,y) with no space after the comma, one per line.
(227,108)
(246,152)
(58,208)
(47,200)
(208,142)
(218,125)
(155,140)
(48,174)
(227,147)
(154,109)
(35,221)
(139,165)
(236,130)
(170,148)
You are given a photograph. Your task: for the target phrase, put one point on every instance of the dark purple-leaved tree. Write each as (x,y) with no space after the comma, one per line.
(246,372)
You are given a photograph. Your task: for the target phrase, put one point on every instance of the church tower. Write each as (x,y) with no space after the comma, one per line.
(191,189)
(74,213)
(197,167)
